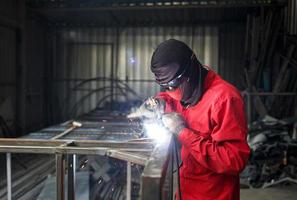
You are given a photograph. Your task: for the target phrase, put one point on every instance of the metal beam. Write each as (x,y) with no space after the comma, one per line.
(8,171)
(75,143)
(135,152)
(60,173)
(128,192)
(71,162)
(109,6)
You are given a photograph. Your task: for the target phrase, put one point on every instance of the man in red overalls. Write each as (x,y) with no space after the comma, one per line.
(206,114)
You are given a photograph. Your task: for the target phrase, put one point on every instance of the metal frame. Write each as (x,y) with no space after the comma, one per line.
(155,158)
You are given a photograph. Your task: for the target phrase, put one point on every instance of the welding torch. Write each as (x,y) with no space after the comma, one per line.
(151,108)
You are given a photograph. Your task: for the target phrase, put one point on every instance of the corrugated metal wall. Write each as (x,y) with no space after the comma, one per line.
(22,61)
(35,67)
(232,41)
(8,52)
(292,17)
(8,9)
(97,52)
(7,73)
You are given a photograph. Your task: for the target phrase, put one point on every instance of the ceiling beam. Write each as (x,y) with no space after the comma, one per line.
(164,5)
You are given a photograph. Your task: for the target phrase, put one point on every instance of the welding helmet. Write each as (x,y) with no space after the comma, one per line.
(178,71)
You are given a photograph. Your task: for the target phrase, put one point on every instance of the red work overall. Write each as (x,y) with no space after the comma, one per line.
(214,147)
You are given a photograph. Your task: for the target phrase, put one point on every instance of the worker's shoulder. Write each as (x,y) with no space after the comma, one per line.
(222,90)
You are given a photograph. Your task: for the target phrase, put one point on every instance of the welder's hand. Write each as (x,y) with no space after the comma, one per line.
(174,122)
(151,108)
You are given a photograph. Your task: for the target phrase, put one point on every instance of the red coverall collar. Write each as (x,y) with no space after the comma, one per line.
(209,79)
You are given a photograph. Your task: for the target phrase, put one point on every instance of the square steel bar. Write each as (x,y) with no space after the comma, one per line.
(71,162)
(60,173)
(8,171)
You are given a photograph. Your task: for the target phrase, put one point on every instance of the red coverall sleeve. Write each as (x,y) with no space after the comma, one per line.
(226,150)
(169,107)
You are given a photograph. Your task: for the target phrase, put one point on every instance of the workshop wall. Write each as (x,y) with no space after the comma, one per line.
(97,52)
(22,55)
(36,61)
(8,15)
(292,17)
(7,73)
(231,51)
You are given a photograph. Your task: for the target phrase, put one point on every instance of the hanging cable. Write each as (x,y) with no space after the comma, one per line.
(177,167)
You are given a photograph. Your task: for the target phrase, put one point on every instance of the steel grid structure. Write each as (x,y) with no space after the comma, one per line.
(155,157)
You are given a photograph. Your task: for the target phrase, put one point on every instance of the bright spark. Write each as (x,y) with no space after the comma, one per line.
(156,132)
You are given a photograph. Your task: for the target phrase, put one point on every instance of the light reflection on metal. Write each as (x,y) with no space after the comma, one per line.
(8,171)
(128,192)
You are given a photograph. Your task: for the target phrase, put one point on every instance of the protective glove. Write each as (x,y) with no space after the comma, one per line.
(174,122)
(151,108)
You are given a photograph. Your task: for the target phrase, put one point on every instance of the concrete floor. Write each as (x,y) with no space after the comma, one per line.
(273,193)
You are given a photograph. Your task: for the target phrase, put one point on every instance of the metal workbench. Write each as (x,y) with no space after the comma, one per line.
(105,134)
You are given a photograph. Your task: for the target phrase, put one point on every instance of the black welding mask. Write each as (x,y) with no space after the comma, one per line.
(178,71)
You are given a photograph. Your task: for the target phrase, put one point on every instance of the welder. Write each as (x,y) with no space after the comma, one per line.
(206,114)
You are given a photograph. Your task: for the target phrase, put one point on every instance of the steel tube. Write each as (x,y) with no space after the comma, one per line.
(27,149)
(137,156)
(8,171)
(30,142)
(71,176)
(60,173)
(63,133)
(128,193)
(75,143)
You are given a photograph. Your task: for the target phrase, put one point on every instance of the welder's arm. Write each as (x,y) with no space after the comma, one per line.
(226,151)
(170,104)
(150,108)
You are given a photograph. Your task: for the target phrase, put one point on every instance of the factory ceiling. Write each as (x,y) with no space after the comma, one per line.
(141,12)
